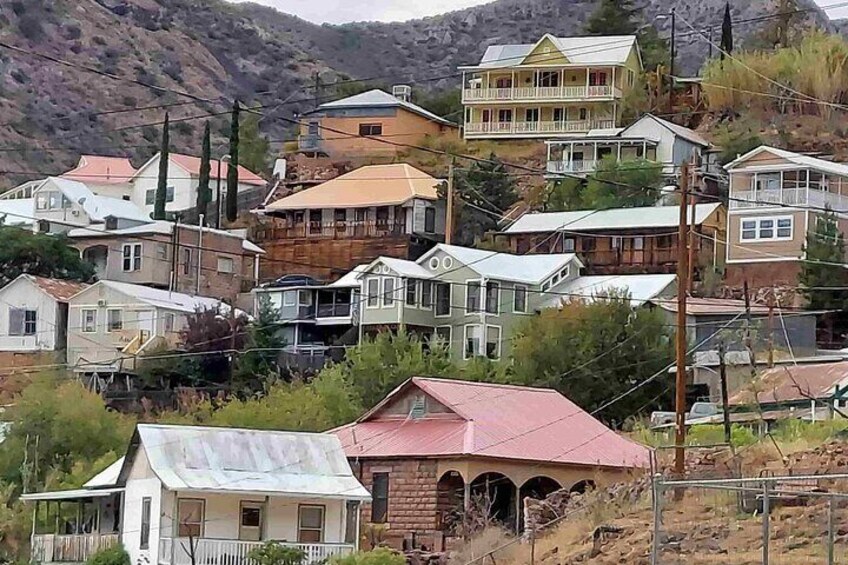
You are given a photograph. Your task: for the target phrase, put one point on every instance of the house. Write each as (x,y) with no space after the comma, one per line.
(183,180)
(105,176)
(775,198)
(621,240)
(62,204)
(220,492)
(649,137)
(326,230)
(34,319)
(556,86)
(162,254)
(112,324)
(473,299)
(359,125)
(317,320)
(433,445)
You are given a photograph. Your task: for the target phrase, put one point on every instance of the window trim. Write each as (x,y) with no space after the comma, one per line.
(758,220)
(526,294)
(94,321)
(202,514)
(436,286)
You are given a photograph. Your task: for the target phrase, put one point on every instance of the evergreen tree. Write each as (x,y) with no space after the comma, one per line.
(232,169)
(162,185)
(204,192)
(825,255)
(726,32)
(484,191)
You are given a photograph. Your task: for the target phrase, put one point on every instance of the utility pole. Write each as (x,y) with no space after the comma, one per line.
(682,273)
(671,65)
(449,207)
(722,375)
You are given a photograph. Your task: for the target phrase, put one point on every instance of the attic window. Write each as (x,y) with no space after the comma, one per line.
(417,408)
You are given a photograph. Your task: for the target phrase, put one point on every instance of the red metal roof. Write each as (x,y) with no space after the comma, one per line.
(491,420)
(101,170)
(192,165)
(59,289)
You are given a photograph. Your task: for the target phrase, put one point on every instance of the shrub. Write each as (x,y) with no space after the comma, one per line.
(115,555)
(380,556)
(275,553)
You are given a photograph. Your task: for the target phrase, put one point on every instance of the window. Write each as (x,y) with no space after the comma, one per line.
(190,512)
(144,531)
(186,261)
(519,298)
(473,341)
(429,220)
(370,129)
(472,297)
(493,297)
(766,228)
(169,321)
(373,293)
(89,321)
(132,257)
(379,498)
(411,292)
(225,264)
(426,294)
(310,524)
(250,521)
(493,342)
(289,298)
(443,299)
(504,115)
(388,291)
(114,320)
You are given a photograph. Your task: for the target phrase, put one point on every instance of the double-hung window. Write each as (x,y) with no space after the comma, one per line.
(131,257)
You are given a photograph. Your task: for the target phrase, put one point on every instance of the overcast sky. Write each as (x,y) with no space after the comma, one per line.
(340,11)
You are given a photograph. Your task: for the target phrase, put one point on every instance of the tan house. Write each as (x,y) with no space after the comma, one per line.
(776,197)
(327,230)
(359,124)
(556,86)
(208,262)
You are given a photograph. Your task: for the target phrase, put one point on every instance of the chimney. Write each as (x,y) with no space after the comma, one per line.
(402,92)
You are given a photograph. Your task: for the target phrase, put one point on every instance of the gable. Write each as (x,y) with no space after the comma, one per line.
(546,52)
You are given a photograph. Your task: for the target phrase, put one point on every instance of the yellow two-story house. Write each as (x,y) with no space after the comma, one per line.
(557,86)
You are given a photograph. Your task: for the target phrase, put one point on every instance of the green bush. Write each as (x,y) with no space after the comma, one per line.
(114,555)
(380,556)
(275,553)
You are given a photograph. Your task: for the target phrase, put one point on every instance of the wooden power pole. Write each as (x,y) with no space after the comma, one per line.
(449,207)
(682,279)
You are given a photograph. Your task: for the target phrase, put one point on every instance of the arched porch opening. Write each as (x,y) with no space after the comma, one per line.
(497,495)
(450,502)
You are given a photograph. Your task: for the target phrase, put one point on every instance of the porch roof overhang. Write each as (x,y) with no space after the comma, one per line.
(71,494)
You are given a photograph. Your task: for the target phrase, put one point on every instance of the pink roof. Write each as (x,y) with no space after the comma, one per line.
(101,170)
(491,420)
(192,165)
(59,289)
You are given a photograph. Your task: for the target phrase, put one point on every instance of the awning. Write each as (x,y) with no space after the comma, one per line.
(71,494)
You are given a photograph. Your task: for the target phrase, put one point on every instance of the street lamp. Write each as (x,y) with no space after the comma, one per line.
(226,159)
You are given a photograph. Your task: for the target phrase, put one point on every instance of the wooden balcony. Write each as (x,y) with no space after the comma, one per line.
(175,551)
(541,94)
(69,548)
(533,129)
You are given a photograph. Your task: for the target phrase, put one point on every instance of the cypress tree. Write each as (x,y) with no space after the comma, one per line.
(204,192)
(162,185)
(726,32)
(232,169)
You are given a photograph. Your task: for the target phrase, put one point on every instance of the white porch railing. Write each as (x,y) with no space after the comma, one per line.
(541,93)
(69,548)
(788,197)
(533,128)
(176,551)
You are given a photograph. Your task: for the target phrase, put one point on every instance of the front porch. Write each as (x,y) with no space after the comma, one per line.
(178,551)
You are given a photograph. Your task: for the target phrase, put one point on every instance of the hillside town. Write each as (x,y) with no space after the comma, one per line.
(579,301)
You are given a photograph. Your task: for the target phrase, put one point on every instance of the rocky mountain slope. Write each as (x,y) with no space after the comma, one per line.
(51,112)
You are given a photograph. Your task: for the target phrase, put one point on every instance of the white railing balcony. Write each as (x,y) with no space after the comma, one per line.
(793,196)
(538,128)
(69,548)
(176,551)
(540,93)
(577,166)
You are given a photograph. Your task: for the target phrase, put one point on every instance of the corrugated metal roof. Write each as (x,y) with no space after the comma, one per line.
(795,383)
(380,99)
(640,288)
(607,49)
(642,217)
(491,420)
(189,458)
(372,185)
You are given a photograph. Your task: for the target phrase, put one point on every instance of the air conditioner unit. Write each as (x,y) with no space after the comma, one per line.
(101,303)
